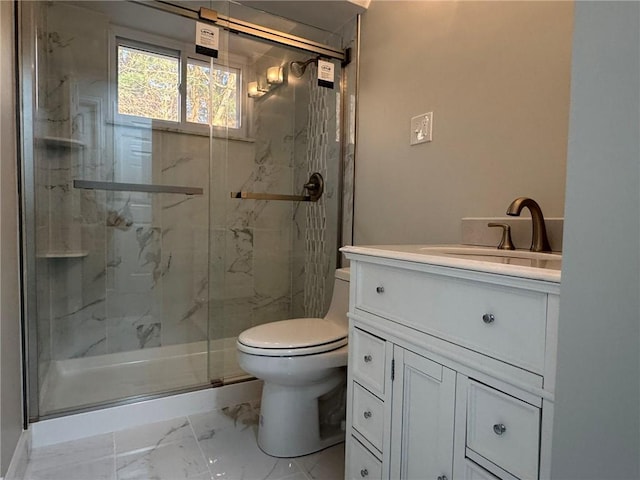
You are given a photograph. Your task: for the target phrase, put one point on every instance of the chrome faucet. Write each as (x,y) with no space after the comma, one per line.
(539,242)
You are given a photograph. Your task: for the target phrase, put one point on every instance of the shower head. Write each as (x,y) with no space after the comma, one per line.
(297,68)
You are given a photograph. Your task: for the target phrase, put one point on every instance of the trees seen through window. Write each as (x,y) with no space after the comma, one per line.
(149,86)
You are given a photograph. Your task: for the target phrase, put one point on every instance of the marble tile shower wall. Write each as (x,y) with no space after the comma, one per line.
(143,281)
(158,254)
(268,255)
(70,144)
(258,280)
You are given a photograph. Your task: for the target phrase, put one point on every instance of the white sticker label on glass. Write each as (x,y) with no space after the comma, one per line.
(207,39)
(325,73)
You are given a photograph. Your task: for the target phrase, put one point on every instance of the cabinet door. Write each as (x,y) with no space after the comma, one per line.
(422,418)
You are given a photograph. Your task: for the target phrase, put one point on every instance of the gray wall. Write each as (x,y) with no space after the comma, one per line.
(496,75)
(597,424)
(10,376)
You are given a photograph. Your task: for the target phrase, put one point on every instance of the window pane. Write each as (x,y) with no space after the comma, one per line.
(212,95)
(148,84)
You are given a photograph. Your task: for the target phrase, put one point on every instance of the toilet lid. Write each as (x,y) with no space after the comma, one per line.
(298,336)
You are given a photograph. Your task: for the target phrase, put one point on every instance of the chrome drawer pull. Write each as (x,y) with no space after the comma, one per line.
(380,289)
(368,414)
(368,358)
(488,318)
(442,477)
(364,472)
(499,428)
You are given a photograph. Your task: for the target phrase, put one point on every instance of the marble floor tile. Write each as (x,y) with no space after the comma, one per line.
(204,476)
(153,435)
(301,476)
(228,440)
(75,452)
(327,464)
(103,469)
(216,445)
(173,461)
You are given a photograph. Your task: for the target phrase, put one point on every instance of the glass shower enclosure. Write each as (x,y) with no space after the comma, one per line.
(164,198)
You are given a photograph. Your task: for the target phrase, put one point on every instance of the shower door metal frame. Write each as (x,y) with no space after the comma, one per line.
(251,29)
(26,90)
(26,64)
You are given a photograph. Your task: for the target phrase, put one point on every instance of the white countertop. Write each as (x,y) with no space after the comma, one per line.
(483,259)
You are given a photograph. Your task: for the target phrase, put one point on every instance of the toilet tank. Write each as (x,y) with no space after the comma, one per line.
(340,300)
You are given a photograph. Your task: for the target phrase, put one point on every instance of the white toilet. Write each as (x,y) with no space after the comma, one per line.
(303,364)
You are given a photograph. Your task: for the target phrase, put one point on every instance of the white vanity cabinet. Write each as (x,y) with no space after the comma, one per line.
(451,371)
(422,417)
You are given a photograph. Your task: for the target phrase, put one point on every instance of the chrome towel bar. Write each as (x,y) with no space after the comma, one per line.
(136,187)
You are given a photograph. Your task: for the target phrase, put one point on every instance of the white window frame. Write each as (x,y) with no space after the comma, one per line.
(184,52)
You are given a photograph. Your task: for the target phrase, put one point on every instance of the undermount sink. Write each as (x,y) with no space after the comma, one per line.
(523,258)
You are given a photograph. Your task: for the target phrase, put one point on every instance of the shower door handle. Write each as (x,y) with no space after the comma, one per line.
(270,196)
(315,187)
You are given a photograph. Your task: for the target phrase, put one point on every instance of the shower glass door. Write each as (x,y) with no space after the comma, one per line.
(274,259)
(117,180)
(141,267)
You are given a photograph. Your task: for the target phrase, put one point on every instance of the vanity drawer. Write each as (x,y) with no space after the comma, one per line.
(367,415)
(504,430)
(473,471)
(502,322)
(362,463)
(368,360)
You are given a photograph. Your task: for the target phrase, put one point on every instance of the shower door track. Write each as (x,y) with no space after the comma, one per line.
(238,26)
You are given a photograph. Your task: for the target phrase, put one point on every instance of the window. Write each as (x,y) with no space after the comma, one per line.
(148,84)
(157,82)
(213,95)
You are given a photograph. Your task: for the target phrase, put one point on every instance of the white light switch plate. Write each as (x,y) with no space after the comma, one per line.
(421,128)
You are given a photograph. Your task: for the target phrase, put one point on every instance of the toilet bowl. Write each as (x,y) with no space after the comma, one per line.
(302,362)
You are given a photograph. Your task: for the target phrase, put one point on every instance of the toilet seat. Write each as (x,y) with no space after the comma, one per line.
(295,337)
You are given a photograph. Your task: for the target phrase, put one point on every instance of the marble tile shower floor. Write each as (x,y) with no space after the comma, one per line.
(215,445)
